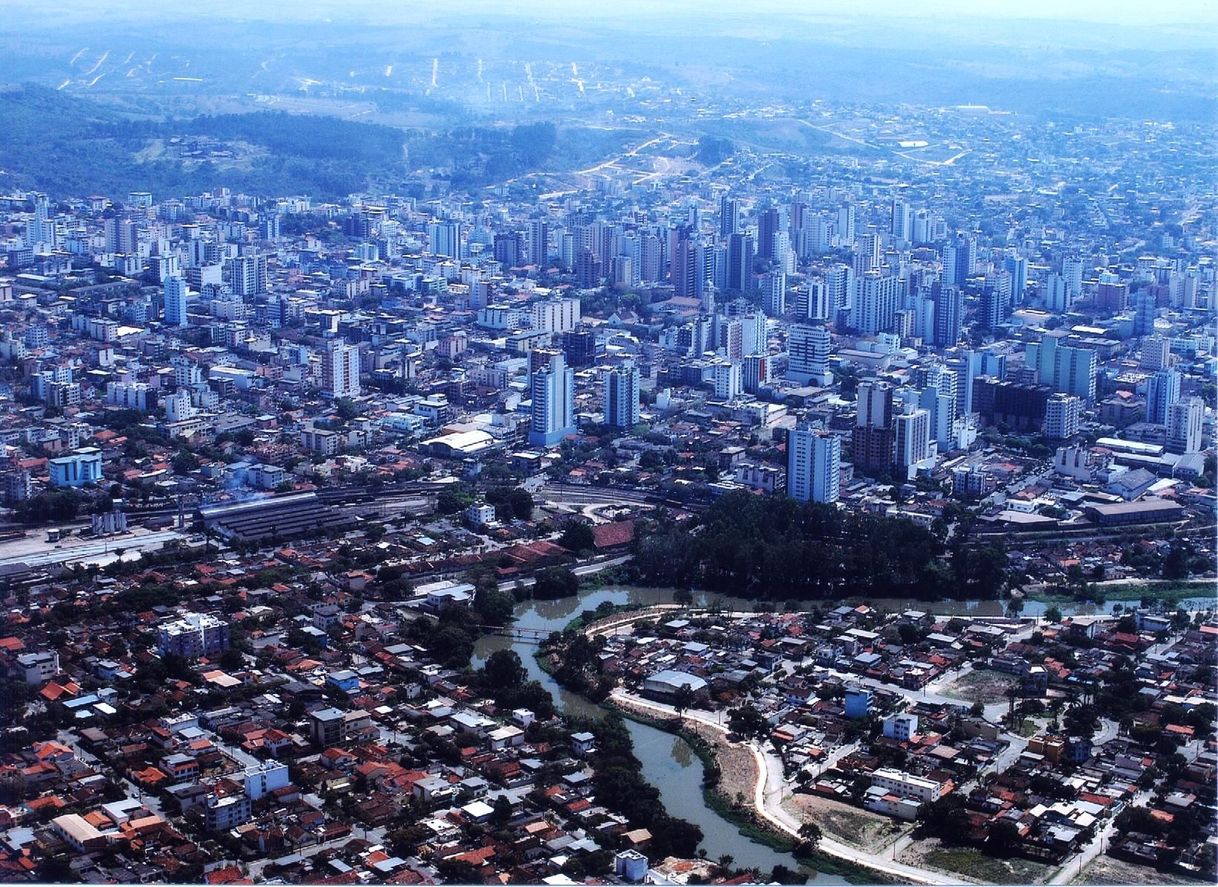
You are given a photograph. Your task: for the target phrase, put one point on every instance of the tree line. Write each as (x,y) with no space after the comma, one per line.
(781,549)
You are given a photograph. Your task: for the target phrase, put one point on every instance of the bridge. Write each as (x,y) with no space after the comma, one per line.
(526,635)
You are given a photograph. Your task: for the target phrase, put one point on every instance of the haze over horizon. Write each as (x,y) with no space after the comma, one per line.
(1170,15)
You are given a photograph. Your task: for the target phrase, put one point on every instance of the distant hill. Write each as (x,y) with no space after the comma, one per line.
(69,146)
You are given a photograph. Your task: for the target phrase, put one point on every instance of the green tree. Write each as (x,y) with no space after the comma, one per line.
(1003,838)
(1176,563)
(184,462)
(1081,720)
(504,669)
(747,721)
(809,837)
(555,582)
(577,537)
(494,606)
(502,812)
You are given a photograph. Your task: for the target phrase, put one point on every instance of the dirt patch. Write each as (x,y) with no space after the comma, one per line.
(1107,870)
(850,825)
(981,685)
(737,766)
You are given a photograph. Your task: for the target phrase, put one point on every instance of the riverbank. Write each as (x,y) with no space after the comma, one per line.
(767,796)
(1171,591)
(734,782)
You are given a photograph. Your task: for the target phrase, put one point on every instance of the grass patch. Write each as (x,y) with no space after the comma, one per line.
(1027,728)
(1171,591)
(986,869)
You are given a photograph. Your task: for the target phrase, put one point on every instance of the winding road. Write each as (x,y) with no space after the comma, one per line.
(769,790)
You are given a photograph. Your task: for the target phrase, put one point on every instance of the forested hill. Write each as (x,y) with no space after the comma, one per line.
(72,147)
(780,549)
(68,146)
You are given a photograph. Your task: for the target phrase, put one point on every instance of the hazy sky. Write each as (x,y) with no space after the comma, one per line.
(1113,12)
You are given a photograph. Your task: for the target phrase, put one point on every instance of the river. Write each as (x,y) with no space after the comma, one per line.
(668,762)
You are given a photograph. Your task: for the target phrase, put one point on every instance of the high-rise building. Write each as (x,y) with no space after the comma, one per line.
(40,233)
(839,280)
(1185,425)
(938,398)
(340,370)
(902,220)
(1162,390)
(872,438)
(1020,407)
(1111,293)
(1076,372)
(174,294)
(247,275)
(508,248)
(846,227)
(539,241)
(1072,271)
(814,462)
(774,293)
(1057,293)
(948,314)
(684,269)
(556,315)
(755,372)
(728,380)
(868,253)
(587,268)
(729,336)
(552,414)
(769,224)
(581,348)
(729,216)
(957,260)
(754,333)
(1063,368)
(912,432)
(1062,416)
(622,396)
(121,235)
(1145,307)
(444,239)
(1156,353)
(740,262)
(875,305)
(808,347)
(818,299)
(651,258)
(1017,267)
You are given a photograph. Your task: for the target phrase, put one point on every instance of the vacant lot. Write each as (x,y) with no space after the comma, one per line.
(1106,870)
(738,767)
(980,685)
(973,865)
(858,828)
